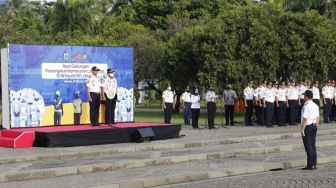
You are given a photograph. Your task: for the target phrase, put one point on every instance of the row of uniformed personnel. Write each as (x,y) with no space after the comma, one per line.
(282,103)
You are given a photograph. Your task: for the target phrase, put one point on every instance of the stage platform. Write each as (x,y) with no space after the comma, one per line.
(81,135)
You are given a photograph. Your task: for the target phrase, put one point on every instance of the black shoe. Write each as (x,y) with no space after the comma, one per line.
(309,168)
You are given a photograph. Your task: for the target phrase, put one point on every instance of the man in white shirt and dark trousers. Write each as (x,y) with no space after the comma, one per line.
(109,95)
(280,100)
(332,115)
(229,97)
(292,97)
(93,84)
(210,98)
(327,92)
(316,93)
(268,103)
(248,99)
(301,89)
(186,104)
(310,121)
(168,104)
(262,120)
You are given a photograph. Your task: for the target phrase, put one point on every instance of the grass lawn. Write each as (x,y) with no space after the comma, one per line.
(157,116)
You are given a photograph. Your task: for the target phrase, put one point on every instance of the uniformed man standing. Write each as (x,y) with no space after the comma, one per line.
(333,106)
(310,121)
(301,89)
(292,97)
(268,103)
(327,92)
(210,98)
(168,103)
(280,98)
(256,103)
(275,90)
(58,108)
(93,85)
(109,95)
(186,104)
(248,99)
(316,93)
(262,108)
(77,104)
(229,97)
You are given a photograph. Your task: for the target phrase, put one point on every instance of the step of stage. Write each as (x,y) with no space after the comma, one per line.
(128,161)
(174,173)
(16,139)
(187,142)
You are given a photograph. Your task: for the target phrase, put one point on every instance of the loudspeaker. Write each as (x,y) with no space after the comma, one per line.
(142,134)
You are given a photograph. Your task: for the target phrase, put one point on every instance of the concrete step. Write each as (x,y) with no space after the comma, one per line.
(20,156)
(179,173)
(119,162)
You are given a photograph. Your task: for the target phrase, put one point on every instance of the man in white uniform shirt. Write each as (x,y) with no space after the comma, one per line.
(262,108)
(93,84)
(316,93)
(248,99)
(301,89)
(186,104)
(310,121)
(333,106)
(109,95)
(210,98)
(292,97)
(327,92)
(168,104)
(268,100)
(280,100)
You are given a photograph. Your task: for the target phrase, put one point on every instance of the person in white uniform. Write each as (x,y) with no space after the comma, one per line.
(310,122)
(168,104)
(186,104)
(109,95)
(268,100)
(327,92)
(93,84)
(195,108)
(248,99)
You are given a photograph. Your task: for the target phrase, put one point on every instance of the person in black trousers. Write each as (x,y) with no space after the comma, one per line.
(168,103)
(269,98)
(327,92)
(229,97)
(211,98)
(93,85)
(248,99)
(292,103)
(310,122)
(280,100)
(109,90)
(195,108)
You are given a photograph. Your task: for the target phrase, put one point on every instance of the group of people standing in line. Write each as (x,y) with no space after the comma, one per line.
(274,103)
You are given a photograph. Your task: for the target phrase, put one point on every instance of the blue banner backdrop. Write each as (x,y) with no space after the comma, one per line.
(36,72)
